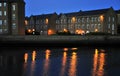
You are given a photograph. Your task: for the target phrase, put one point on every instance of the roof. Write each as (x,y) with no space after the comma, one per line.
(85,13)
(42,16)
(117,11)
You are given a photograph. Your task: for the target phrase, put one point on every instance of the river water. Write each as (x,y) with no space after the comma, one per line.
(63,61)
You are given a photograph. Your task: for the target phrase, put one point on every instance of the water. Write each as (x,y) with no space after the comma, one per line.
(80,61)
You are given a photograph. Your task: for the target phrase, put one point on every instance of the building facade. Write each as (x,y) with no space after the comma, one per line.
(12,16)
(101,20)
(44,24)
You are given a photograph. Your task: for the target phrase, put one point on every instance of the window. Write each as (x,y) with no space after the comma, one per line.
(4,13)
(108,26)
(0,22)
(109,19)
(13,26)
(0,30)
(0,4)
(87,26)
(112,26)
(0,13)
(13,7)
(5,22)
(4,4)
(113,19)
(13,16)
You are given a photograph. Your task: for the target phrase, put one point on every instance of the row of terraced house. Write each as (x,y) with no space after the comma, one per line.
(101,20)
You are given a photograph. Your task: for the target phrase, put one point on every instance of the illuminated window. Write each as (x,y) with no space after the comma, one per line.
(4,13)
(5,22)
(4,4)
(0,4)
(0,22)
(0,30)
(73,19)
(0,13)
(13,7)
(113,27)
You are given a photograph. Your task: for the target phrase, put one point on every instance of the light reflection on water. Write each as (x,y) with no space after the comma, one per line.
(98,63)
(72,69)
(62,62)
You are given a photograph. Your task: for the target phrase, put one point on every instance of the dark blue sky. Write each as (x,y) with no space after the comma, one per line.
(36,7)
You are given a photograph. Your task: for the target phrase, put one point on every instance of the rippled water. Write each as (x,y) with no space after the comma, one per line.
(60,62)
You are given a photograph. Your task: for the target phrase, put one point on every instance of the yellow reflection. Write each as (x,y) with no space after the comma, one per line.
(65,49)
(47,54)
(95,62)
(33,55)
(72,70)
(46,63)
(64,59)
(98,64)
(74,48)
(101,64)
(25,57)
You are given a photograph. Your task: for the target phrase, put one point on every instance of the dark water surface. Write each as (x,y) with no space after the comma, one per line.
(80,61)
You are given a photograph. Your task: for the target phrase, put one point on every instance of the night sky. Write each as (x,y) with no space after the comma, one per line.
(36,7)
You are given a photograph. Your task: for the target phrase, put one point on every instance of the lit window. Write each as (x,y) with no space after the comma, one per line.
(13,26)
(13,16)
(5,22)
(0,13)
(0,4)
(13,7)
(0,30)
(4,4)
(4,13)
(112,26)
(0,22)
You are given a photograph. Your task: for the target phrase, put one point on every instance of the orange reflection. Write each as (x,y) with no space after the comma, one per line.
(33,55)
(47,54)
(74,48)
(72,70)
(64,59)
(25,57)
(65,49)
(98,64)
(46,62)
(101,18)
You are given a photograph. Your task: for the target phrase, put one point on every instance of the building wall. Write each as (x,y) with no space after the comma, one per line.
(14,14)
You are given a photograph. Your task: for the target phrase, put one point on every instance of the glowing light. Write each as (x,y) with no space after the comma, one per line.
(64,59)
(65,49)
(72,70)
(50,32)
(33,30)
(26,22)
(65,30)
(33,55)
(98,64)
(25,57)
(46,21)
(101,18)
(29,30)
(47,54)
(81,32)
(96,30)
(74,48)
(73,19)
